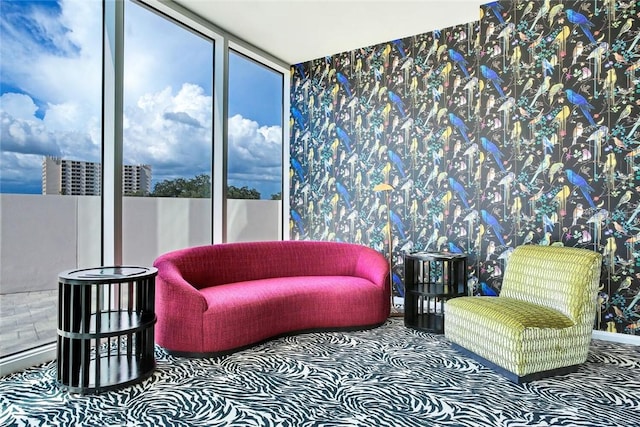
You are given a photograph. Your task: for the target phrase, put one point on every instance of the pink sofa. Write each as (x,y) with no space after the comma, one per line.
(213,300)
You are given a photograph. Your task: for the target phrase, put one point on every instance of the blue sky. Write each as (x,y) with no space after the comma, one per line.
(50,91)
(254,91)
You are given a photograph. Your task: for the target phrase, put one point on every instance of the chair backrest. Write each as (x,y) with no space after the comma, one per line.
(558,277)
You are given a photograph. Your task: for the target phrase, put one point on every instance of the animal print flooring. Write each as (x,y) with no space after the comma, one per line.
(388,376)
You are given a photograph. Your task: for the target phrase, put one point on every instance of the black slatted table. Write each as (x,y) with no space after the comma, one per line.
(431,278)
(106,318)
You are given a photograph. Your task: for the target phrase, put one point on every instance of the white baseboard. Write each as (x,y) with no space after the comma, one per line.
(27,359)
(621,338)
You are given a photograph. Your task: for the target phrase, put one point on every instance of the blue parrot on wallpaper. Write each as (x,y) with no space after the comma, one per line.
(298,117)
(344,138)
(460,125)
(397,161)
(492,222)
(345,194)
(547,145)
(298,220)
(398,284)
(496,8)
(487,290)
(582,21)
(300,69)
(492,76)
(633,216)
(344,82)
(453,248)
(400,46)
(459,59)
(398,103)
(547,222)
(582,103)
(460,191)
(547,67)
(436,94)
(493,149)
(582,184)
(397,221)
(298,168)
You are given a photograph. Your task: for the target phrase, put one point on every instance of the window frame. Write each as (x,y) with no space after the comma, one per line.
(112,143)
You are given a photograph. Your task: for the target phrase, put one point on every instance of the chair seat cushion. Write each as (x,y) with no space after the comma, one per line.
(512,313)
(518,336)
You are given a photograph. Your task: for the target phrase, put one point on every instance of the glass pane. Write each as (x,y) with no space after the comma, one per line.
(50,108)
(254,160)
(168,105)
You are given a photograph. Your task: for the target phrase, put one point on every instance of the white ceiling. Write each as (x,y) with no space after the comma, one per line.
(296,31)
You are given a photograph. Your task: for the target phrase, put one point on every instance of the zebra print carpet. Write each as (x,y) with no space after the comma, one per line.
(388,376)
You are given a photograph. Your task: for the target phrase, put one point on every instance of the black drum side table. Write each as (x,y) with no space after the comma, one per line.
(431,278)
(106,318)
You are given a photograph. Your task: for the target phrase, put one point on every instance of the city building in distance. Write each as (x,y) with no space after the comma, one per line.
(78,178)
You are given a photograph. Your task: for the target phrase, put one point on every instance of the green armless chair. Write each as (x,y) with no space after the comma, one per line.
(541,323)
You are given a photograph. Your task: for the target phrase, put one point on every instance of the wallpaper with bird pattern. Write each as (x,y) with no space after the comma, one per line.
(520,128)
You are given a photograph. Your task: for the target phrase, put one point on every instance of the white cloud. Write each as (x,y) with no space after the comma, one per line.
(23,132)
(55,58)
(250,142)
(20,105)
(168,111)
(21,172)
(255,155)
(170,132)
(173,132)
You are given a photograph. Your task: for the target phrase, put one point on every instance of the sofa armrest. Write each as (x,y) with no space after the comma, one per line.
(175,292)
(372,266)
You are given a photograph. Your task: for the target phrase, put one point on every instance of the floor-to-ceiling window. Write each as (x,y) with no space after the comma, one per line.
(254,150)
(50,149)
(167,136)
(65,132)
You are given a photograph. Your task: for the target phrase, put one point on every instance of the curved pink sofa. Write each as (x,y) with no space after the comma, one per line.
(216,299)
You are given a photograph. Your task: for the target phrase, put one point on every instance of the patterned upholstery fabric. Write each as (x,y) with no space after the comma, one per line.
(216,299)
(543,318)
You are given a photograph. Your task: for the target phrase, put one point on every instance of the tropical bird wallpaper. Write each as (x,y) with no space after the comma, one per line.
(521,128)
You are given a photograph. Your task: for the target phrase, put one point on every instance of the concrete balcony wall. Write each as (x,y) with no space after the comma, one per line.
(40,236)
(38,239)
(152,226)
(253,220)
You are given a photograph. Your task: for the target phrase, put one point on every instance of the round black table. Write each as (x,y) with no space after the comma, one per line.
(106,318)
(431,278)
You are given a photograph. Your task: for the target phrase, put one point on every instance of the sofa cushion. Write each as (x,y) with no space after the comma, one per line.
(253,311)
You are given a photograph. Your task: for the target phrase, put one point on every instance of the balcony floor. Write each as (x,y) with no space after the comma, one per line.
(27,320)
